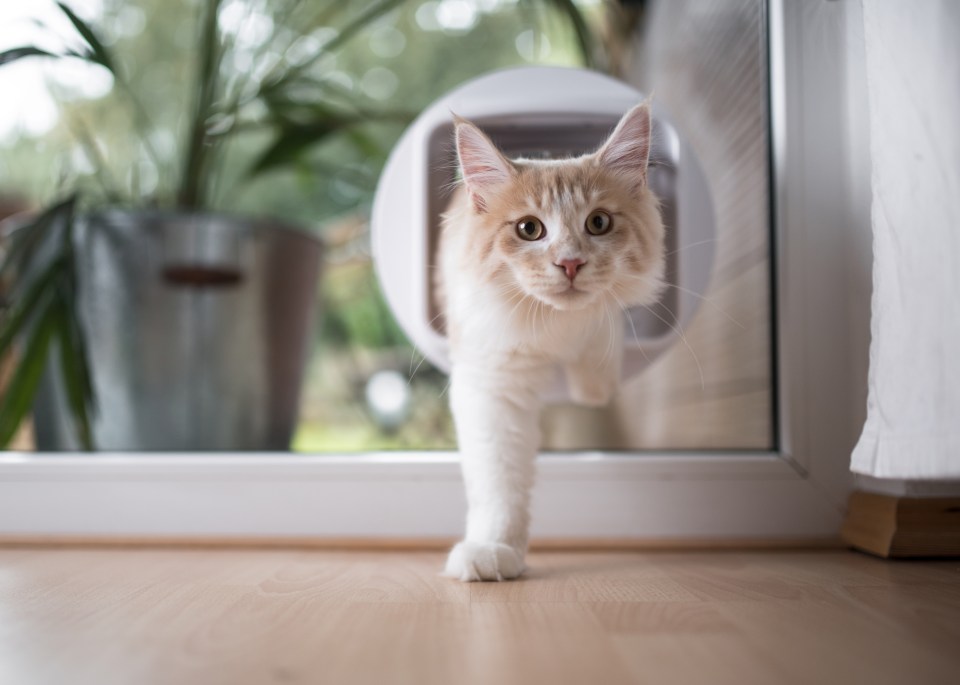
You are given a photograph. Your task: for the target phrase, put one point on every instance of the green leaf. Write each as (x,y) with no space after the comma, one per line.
(366,145)
(302,125)
(372,12)
(577,21)
(22,389)
(360,22)
(74,369)
(101,171)
(25,241)
(79,342)
(14,54)
(99,52)
(25,308)
(196,176)
(291,142)
(43,312)
(580,29)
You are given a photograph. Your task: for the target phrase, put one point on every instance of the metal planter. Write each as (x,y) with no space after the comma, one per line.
(198,328)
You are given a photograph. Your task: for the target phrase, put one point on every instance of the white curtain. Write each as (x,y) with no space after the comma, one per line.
(913,79)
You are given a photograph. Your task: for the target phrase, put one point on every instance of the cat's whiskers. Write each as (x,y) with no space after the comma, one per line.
(414,351)
(508,288)
(520,300)
(491,318)
(445,388)
(545,318)
(687,247)
(537,313)
(449,188)
(679,331)
(614,330)
(703,298)
(626,314)
(611,332)
(532,313)
(423,358)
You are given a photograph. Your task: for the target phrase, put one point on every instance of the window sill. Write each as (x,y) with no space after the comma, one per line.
(402,496)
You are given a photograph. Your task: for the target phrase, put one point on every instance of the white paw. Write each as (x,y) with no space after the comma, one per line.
(471,561)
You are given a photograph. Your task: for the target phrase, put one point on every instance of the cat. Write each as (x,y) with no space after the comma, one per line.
(537,261)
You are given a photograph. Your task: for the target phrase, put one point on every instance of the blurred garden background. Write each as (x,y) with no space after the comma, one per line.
(369,67)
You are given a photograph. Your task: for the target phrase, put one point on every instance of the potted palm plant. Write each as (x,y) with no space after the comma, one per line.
(147,321)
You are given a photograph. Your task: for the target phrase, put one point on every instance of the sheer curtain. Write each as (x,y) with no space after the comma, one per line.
(912,429)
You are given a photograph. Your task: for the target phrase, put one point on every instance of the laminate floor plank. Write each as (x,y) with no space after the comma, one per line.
(185,616)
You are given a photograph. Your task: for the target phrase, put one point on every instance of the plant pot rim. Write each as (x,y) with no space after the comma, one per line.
(124,215)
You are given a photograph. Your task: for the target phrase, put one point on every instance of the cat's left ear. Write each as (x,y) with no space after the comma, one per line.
(481,163)
(627,150)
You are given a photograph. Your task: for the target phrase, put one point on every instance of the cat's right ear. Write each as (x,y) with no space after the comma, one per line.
(627,150)
(482,165)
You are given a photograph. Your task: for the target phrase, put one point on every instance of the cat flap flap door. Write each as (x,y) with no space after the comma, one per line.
(536,112)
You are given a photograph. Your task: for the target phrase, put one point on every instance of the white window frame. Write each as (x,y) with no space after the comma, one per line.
(793,494)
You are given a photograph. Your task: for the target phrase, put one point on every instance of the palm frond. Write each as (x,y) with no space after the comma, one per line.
(98,54)
(43,313)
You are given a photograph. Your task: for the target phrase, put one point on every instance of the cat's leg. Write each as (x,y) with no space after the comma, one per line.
(497,419)
(594,377)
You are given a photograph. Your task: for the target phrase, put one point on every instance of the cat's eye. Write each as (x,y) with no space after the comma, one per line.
(530,228)
(599,222)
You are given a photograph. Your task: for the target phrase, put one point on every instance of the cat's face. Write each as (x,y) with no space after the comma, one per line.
(568,233)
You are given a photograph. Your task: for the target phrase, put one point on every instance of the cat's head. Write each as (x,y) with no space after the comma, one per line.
(568,232)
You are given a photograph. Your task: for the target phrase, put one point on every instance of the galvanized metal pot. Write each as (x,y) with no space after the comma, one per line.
(198,328)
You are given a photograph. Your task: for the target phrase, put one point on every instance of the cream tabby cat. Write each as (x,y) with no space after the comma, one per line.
(537,260)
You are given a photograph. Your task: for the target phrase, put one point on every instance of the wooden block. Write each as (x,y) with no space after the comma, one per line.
(890,526)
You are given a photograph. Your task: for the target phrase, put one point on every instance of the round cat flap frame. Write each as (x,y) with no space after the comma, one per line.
(536,112)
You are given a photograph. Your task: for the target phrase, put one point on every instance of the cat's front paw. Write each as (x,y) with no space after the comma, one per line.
(472,561)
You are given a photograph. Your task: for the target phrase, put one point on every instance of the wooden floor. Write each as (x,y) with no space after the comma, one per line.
(143,616)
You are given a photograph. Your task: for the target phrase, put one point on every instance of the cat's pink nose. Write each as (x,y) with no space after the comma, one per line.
(571,266)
